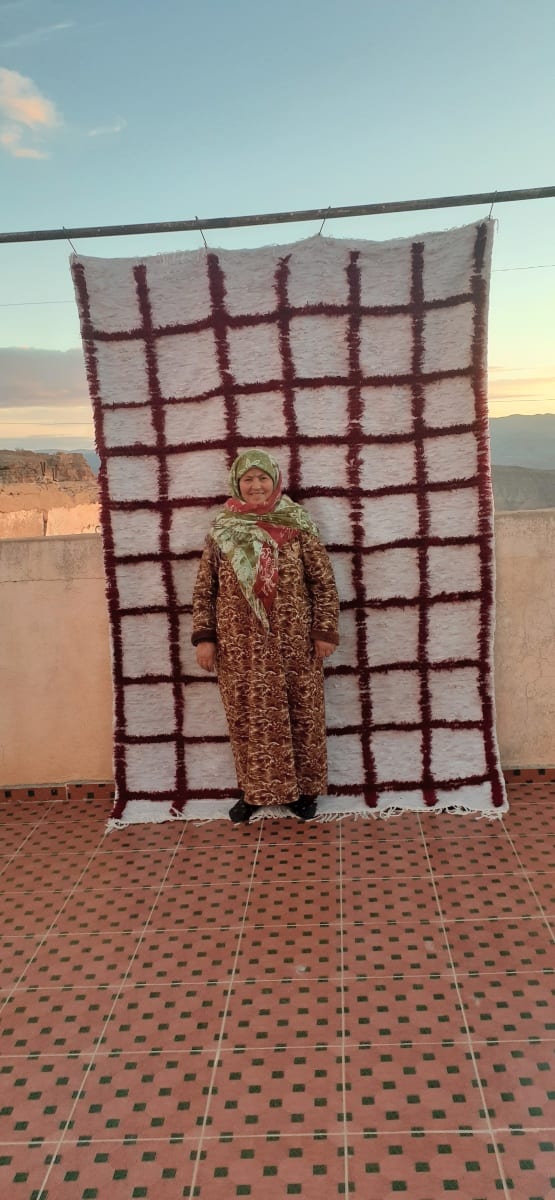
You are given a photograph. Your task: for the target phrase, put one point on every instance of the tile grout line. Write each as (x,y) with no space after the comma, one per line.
(45,935)
(453,1043)
(466,1026)
(343,1021)
(387,923)
(92,1056)
(526,874)
(218,1048)
(336,977)
(35,826)
(191,1139)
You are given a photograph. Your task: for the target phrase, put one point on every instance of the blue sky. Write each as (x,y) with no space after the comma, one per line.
(124,110)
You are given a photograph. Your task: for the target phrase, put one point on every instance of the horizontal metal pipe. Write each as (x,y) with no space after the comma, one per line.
(279,218)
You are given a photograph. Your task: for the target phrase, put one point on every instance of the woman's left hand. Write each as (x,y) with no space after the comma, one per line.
(323,649)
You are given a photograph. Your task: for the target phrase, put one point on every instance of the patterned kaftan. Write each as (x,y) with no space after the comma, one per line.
(271,683)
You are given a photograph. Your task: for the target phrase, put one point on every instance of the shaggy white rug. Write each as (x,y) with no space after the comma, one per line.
(361,365)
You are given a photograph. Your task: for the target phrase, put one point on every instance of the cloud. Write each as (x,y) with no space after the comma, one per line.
(36,35)
(22,109)
(528,387)
(118,126)
(10,139)
(42,378)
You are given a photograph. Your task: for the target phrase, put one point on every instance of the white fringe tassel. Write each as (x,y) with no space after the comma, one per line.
(195,811)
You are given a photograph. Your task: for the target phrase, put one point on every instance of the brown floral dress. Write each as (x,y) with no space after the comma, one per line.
(271,683)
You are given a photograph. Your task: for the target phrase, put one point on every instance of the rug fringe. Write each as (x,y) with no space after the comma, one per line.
(322,818)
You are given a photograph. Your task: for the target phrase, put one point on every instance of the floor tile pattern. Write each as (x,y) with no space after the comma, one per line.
(352,1009)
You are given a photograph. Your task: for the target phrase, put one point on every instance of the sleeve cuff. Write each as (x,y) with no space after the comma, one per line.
(325,635)
(203,635)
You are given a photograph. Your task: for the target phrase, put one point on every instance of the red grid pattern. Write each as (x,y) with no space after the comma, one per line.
(363,367)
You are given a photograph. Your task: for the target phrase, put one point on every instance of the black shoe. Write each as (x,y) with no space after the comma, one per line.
(304,807)
(241,812)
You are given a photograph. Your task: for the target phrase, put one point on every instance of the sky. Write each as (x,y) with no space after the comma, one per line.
(120,111)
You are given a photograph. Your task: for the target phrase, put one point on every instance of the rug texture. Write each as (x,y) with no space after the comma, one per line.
(361,366)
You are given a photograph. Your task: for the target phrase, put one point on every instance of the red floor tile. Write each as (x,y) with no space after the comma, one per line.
(144,1096)
(125,868)
(323,1006)
(412,1088)
(528,819)
(165,1019)
(391,899)
(535,853)
(306,1166)
(46,1021)
(387,856)
(413,1009)
(472,856)
(280,1092)
(484,896)
(198,866)
(429,1167)
(517,1083)
(284,1014)
(500,945)
(273,952)
(447,826)
(78,961)
(394,950)
(14,834)
(124,910)
(196,956)
(199,906)
(543,888)
(42,870)
(36,911)
(15,954)
(276,863)
(510,1005)
(22,1170)
(14,810)
(38,1096)
(298,902)
(528,1161)
(156,1169)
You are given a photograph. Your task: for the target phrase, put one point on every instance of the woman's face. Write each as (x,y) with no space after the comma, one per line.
(255,487)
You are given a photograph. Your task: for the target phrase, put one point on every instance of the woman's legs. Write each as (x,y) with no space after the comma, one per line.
(304,807)
(240,813)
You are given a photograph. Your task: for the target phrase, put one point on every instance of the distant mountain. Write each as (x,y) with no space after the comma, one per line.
(92,458)
(521,441)
(521,488)
(522,453)
(26,466)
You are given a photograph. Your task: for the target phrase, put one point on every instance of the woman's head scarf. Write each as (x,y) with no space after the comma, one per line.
(251,538)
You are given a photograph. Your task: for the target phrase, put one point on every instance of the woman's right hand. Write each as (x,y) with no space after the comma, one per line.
(206,655)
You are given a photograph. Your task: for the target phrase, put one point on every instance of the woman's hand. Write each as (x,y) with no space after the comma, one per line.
(206,655)
(323,649)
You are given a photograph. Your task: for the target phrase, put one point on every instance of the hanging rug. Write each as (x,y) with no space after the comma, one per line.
(362,367)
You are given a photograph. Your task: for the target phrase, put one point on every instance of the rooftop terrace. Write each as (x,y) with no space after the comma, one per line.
(352,1009)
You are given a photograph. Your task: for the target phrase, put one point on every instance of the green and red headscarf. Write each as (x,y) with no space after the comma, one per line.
(251,538)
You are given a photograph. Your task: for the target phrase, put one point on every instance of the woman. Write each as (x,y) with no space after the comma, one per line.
(265,611)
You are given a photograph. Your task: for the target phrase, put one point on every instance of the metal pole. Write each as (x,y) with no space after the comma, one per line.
(279,218)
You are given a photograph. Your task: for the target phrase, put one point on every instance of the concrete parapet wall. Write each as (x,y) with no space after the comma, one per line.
(525,637)
(55,675)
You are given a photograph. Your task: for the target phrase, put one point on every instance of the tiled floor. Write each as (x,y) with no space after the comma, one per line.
(356,1009)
